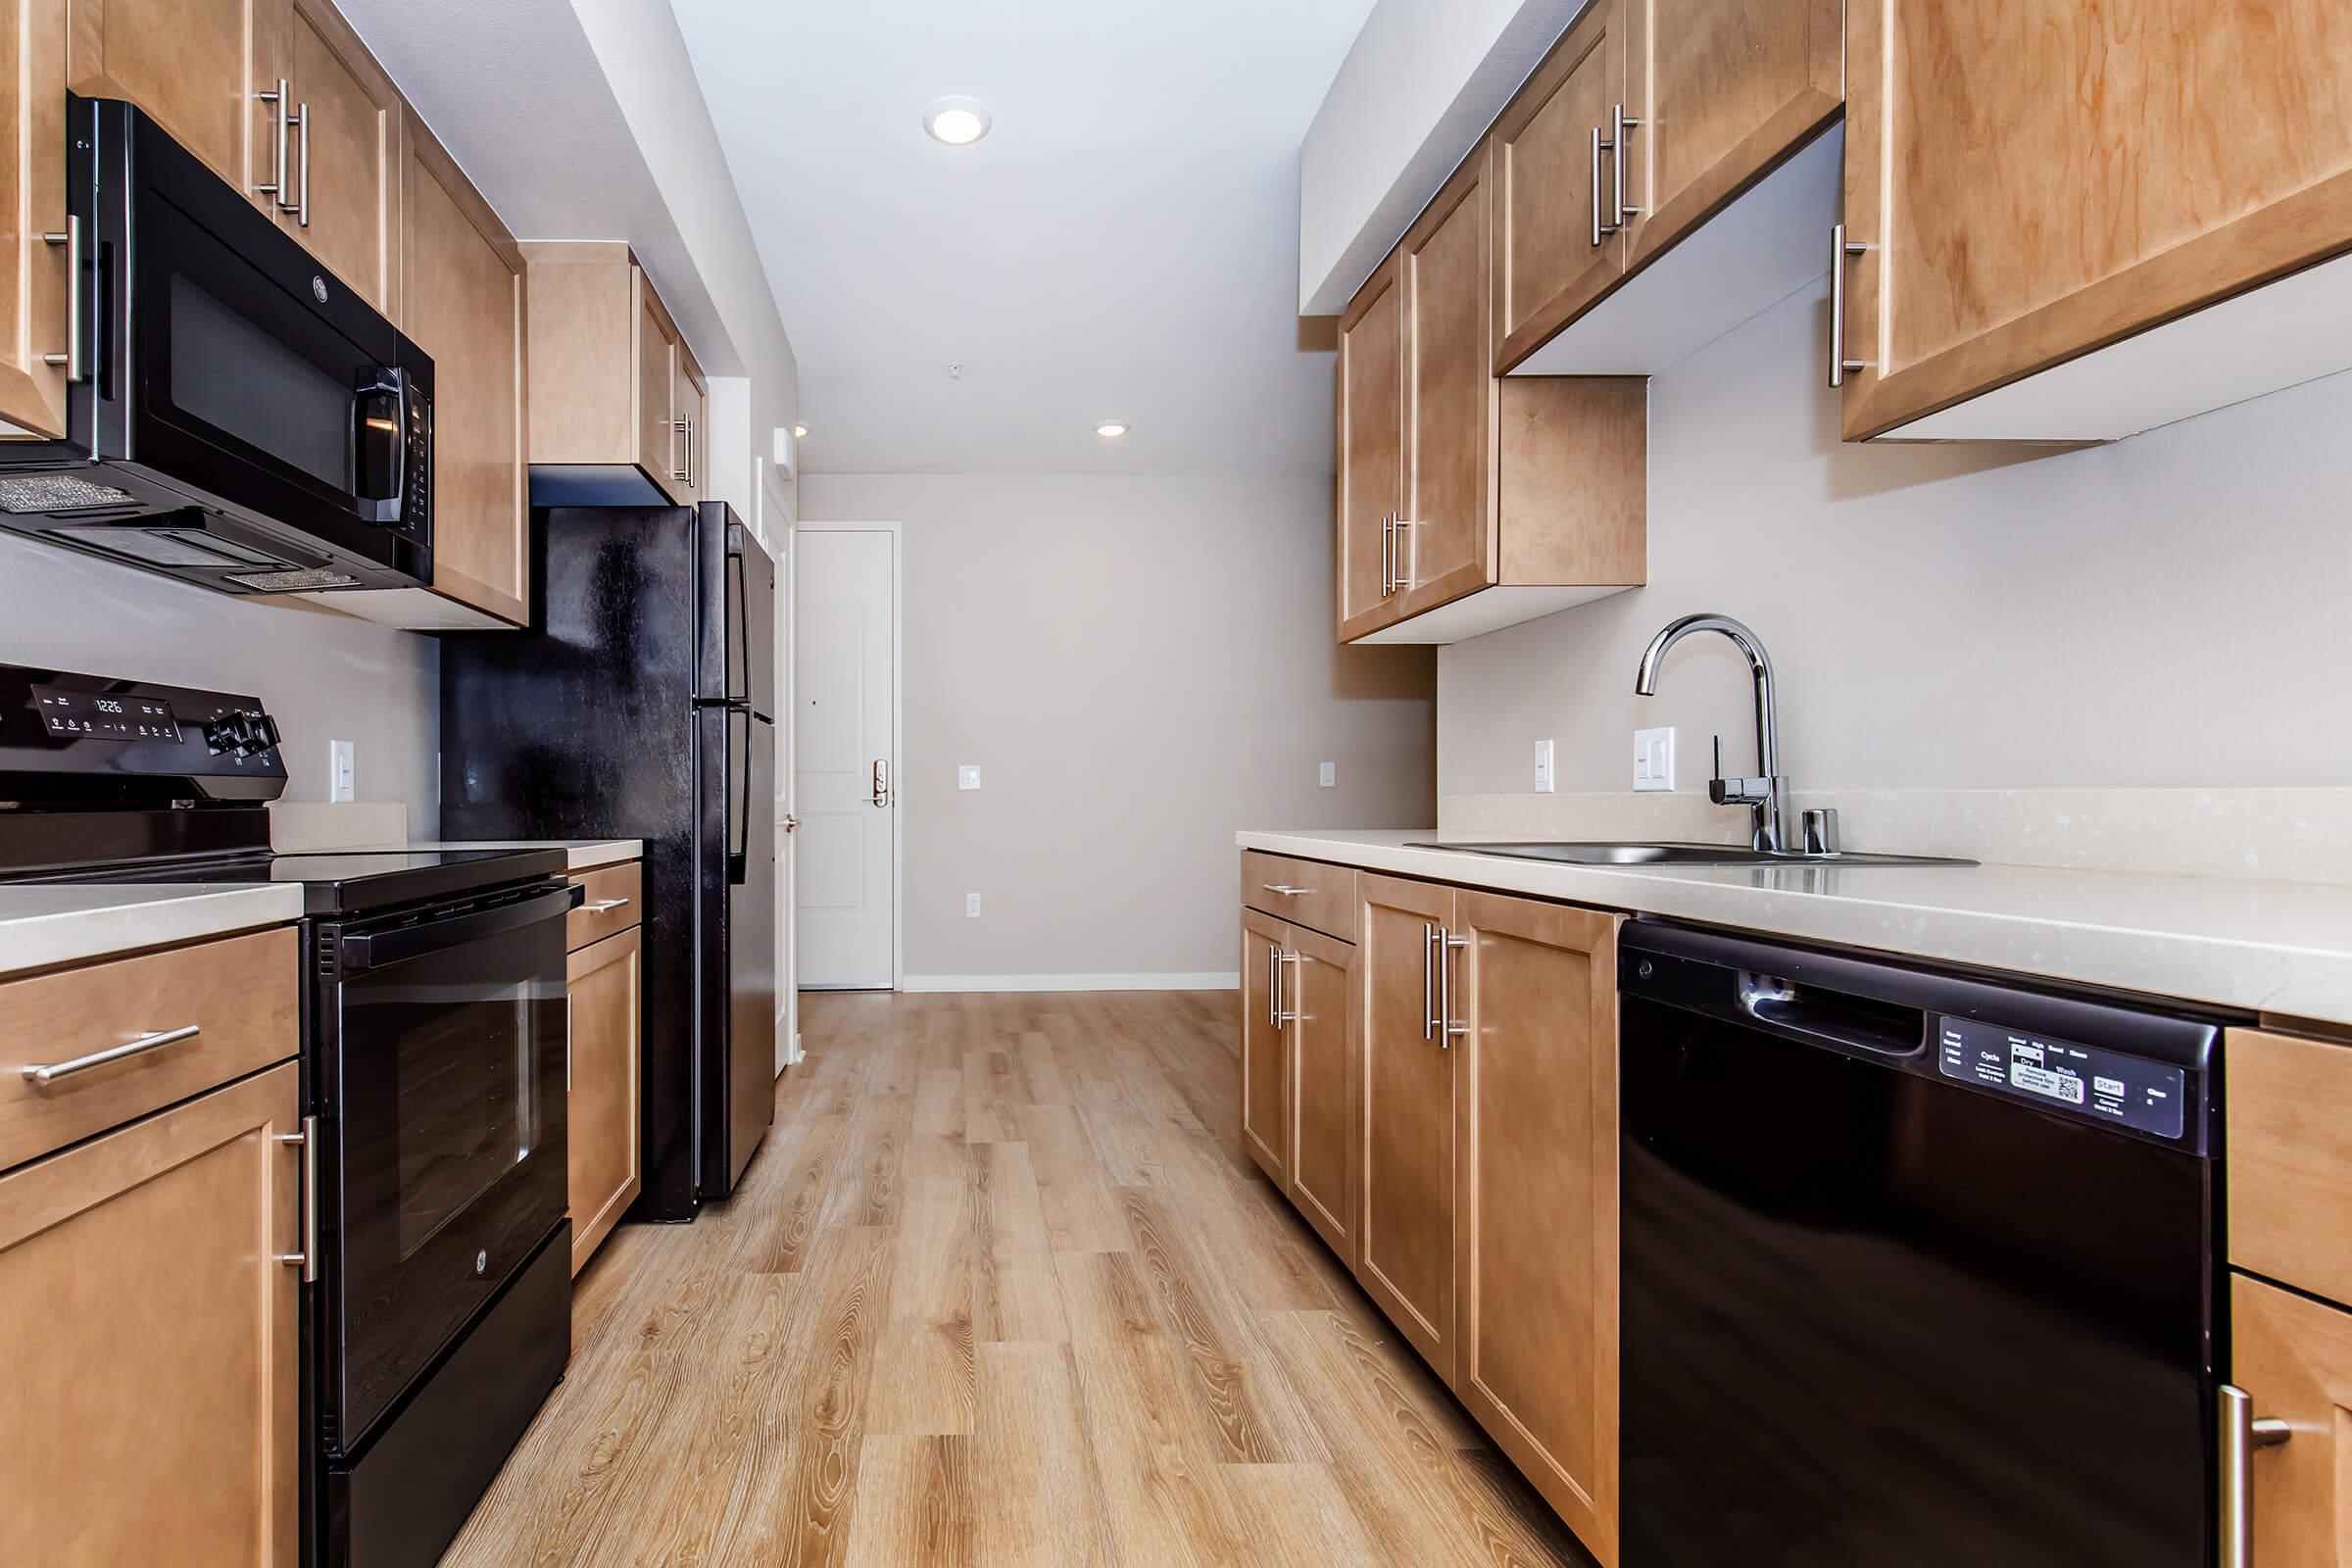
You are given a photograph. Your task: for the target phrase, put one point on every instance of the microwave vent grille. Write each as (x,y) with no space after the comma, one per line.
(39,493)
(305,580)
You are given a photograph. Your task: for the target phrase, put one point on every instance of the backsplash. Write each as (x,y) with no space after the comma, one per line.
(323,675)
(2271,835)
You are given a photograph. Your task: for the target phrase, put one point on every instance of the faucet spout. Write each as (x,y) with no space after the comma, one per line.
(1767,796)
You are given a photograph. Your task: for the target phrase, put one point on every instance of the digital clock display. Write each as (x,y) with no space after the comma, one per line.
(91,715)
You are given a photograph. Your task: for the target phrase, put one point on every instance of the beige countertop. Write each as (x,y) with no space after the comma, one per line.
(2264,947)
(43,925)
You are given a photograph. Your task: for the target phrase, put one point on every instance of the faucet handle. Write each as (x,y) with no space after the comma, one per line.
(1735,791)
(1820,831)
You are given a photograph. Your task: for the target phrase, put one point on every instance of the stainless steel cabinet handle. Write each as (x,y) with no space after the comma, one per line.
(881,791)
(1431,935)
(302,208)
(677,432)
(1619,123)
(2241,1435)
(1599,229)
(283,98)
(1283,1015)
(1448,946)
(99,1058)
(567,1043)
(1400,579)
(1387,554)
(1286,892)
(1842,251)
(602,904)
(308,1258)
(1273,987)
(692,467)
(71,238)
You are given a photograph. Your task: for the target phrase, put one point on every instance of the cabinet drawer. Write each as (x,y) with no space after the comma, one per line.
(2289,1152)
(1305,893)
(616,902)
(236,997)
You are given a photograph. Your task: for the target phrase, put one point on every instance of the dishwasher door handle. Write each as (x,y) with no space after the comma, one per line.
(1785,1008)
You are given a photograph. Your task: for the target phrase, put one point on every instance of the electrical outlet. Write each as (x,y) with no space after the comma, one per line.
(1653,758)
(971,906)
(342,771)
(1547,780)
(967,778)
(1328,776)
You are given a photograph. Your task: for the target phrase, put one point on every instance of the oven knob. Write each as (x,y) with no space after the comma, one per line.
(225,734)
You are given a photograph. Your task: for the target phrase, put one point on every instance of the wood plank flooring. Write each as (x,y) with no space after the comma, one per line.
(1000,1289)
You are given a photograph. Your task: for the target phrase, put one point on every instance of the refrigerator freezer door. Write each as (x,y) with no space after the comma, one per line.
(751,623)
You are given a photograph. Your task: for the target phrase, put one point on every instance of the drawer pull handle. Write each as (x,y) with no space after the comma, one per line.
(601,905)
(1286,892)
(99,1058)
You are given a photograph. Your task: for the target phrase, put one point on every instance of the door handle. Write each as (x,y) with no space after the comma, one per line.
(1448,946)
(1282,1015)
(2241,1433)
(308,1258)
(301,209)
(1430,936)
(1842,251)
(1619,123)
(790,822)
(282,100)
(678,431)
(1600,230)
(71,238)
(881,789)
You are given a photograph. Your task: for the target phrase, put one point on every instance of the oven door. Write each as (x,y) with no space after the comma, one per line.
(440,1065)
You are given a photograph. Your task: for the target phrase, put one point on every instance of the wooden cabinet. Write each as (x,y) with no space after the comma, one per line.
(1306,893)
(2290,1158)
(153,1409)
(1319,1009)
(621,415)
(2033,184)
(612,900)
(345,182)
(606,991)
(33,186)
(462,300)
(1447,547)
(1368,398)
(1536,1112)
(1558,244)
(1717,92)
(199,68)
(1265,1049)
(2292,1356)
(1405,1184)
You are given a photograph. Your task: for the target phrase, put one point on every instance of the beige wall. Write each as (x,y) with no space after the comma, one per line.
(1139,666)
(2167,611)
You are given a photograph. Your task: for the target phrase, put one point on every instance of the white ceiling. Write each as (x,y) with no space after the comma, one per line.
(1122,245)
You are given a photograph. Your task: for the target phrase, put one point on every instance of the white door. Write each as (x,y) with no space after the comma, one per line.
(788,956)
(844,767)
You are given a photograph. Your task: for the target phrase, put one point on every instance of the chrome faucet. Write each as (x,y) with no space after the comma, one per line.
(1767,796)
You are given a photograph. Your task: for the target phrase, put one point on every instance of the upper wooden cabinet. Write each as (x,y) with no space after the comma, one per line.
(1368,400)
(2031,185)
(619,417)
(462,300)
(344,179)
(33,186)
(199,68)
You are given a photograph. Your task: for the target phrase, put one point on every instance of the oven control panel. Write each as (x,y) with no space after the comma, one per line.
(2109,1086)
(103,739)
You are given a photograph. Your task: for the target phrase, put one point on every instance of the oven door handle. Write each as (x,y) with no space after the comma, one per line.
(375,950)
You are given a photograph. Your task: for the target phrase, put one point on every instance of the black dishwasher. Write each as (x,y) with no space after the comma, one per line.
(1917,1268)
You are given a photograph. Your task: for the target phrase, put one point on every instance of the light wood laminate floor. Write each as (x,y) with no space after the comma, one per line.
(1000,1289)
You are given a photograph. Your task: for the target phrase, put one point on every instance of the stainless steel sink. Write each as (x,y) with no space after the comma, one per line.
(1731,855)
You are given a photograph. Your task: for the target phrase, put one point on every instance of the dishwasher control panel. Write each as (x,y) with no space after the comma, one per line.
(2108,1086)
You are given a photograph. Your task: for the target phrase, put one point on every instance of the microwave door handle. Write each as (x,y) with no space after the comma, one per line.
(386,379)
(376,950)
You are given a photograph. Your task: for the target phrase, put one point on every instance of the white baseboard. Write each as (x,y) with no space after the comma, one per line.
(1226,980)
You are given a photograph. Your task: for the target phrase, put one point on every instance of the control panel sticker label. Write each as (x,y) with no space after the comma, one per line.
(2109,1086)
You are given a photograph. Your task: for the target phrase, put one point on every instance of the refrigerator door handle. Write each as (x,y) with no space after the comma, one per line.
(739,595)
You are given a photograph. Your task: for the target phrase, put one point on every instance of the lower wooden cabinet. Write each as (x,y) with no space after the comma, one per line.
(2292,1356)
(606,991)
(1536,1264)
(1265,1050)
(152,1413)
(1318,1006)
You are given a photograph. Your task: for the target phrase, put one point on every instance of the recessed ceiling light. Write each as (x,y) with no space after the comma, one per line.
(958,122)
(799,432)
(1111,429)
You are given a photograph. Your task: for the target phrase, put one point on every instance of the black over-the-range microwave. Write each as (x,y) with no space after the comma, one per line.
(236,416)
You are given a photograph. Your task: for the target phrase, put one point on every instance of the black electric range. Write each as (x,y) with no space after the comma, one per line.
(434,1062)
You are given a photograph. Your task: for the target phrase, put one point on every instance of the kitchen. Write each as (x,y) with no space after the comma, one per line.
(1598,1149)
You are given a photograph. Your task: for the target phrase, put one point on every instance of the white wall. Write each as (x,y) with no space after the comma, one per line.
(1140,666)
(323,675)
(2165,610)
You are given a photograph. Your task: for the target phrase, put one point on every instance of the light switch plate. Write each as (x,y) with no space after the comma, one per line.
(971,906)
(967,778)
(342,771)
(1328,776)
(1653,758)
(1547,780)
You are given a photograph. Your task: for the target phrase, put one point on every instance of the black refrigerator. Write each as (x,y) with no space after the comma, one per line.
(641,704)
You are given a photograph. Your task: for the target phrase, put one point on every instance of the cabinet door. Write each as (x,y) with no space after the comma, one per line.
(349,142)
(462,300)
(32,183)
(1722,89)
(1265,1048)
(659,447)
(2036,179)
(1323,1037)
(1369,392)
(151,1409)
(689,409)
(2293,1355)
(1537,1259)
(600,1074)
(196,67)
(1449,548)
(1405,1261)
(1557,247)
